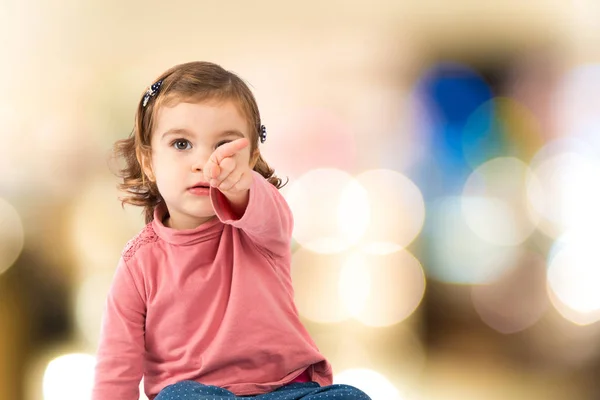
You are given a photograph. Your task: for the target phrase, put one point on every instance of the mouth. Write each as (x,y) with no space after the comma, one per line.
(200,189)
(200,186)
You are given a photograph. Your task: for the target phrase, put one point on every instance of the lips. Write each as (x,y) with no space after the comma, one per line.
(200,189)
(200,185)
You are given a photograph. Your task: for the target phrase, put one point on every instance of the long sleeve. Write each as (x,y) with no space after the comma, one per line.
(267,219)
(120,355)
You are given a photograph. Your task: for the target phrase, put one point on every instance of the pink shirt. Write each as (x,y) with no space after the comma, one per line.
(212,304)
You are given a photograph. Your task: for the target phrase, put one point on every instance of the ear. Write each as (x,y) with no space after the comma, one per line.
(254,158)
(145,162)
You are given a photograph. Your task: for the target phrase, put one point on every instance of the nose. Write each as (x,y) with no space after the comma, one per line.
(200,158)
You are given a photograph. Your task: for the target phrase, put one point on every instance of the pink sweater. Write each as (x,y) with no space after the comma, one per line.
(212,304)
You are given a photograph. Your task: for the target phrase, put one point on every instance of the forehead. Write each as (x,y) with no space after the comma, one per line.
(201,115)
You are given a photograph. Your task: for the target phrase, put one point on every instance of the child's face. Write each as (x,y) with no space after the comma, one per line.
(184,137)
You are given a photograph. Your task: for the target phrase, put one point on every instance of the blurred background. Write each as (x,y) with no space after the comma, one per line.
(444,166)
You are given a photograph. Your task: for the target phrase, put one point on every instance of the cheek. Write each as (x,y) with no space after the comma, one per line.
(168,169)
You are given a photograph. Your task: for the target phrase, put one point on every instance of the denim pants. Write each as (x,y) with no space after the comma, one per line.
(190,390)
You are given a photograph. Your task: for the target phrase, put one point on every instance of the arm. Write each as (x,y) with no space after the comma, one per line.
(120,355)
(266,217)
(243,198)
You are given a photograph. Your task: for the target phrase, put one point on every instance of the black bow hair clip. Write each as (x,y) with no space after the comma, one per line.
(262,133)
(151,92)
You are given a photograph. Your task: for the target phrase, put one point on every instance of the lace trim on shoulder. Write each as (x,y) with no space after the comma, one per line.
(143,238)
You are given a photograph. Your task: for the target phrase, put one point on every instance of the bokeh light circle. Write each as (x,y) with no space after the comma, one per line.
(495,204)
(69,377)
(316,277)
(381,289)
(397,209)
(500,127)
(331,210)
(12,235)
(456,254)
(374,384)
(574,279)
(517,299)
(570,190)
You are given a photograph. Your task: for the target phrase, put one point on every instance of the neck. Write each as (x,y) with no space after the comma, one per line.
(180,225)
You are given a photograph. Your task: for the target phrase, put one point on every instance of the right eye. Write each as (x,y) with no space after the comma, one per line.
(181,144)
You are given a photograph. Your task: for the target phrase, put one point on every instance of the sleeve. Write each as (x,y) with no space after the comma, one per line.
(120,355)
(267,220)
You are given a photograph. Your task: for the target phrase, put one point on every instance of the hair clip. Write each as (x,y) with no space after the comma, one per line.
(263,133)
(151,92)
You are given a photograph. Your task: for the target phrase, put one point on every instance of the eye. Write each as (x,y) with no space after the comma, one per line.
(221,143)
(181,144)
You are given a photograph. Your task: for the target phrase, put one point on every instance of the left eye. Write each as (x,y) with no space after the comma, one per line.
(182,144)
(222,143)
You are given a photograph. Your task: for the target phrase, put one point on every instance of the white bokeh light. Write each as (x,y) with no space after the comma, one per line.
(331,210)
(397,210)
(570,189)
(574,278)
(457,254)
(69,377)
(374,384)
(494,201)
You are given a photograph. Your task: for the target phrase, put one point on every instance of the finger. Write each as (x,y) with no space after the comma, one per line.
(231,181)
(220,172)
(226,166)
(245,181)
(211,169)
(228,150)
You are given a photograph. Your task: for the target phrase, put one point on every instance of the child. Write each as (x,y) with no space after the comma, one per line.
(201,304)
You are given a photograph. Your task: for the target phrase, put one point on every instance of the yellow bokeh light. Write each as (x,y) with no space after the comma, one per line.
(397,210)
(69,377)
(386,288)
(316,277)
(12,235)
(355,284)
(331,210)
(513,122)
(494,201)
(376,289)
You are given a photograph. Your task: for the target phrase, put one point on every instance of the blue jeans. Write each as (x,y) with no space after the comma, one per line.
(190,390)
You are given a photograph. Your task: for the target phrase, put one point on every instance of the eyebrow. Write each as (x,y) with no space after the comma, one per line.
(185,132)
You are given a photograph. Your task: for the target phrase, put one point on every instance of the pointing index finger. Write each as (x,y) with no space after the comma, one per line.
(229,149)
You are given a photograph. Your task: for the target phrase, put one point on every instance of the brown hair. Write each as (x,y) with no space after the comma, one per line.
(194,81)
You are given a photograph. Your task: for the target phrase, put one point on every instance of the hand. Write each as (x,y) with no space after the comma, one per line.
(225,172)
